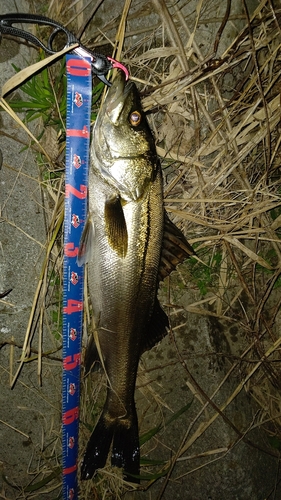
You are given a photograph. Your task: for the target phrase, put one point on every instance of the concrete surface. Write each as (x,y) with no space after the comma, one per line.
(28,412)
(30,415)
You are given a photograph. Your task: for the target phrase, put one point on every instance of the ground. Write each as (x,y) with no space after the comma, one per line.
(195,384)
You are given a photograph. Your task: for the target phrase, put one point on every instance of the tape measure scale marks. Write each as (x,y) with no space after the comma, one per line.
(79,94)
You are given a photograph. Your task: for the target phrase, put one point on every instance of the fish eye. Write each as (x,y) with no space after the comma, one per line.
(135,118)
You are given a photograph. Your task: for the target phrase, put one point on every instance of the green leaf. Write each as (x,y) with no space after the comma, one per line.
(275,442)
(147,461)
(28,105)
(179,413)
(148,435)
(151,477)
(37,486)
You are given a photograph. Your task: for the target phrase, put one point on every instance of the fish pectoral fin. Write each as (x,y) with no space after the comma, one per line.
(175,249)
(157,328)
(115,224)
(86,243)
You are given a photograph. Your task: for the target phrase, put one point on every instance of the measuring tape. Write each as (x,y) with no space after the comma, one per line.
(79,93)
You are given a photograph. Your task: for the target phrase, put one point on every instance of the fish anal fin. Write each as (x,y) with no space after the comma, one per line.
(157,328)
(175,249)
(115,224)
(86,243)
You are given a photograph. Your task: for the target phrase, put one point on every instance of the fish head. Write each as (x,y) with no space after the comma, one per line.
(123,149)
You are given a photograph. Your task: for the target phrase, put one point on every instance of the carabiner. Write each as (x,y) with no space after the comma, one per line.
(100,64)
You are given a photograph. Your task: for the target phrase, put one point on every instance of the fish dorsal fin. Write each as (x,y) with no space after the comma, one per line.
(115,226)
(86,243)
(156,329)
(175,249)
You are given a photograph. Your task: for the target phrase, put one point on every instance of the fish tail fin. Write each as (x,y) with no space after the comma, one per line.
(125,449)
(97,449)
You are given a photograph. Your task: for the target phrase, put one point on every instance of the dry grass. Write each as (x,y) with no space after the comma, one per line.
(216,121)
(215,112)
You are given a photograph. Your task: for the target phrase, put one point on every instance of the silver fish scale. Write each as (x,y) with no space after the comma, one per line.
(127,220)
(123,289)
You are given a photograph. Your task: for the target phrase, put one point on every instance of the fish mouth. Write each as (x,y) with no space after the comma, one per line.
(116,97)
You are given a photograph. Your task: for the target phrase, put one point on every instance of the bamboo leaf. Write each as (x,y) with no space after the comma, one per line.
(40,484)
(152,432)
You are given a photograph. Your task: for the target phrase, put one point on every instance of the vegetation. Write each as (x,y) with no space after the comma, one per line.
(216,119)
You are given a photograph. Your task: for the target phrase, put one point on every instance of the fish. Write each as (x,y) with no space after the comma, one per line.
(129,245)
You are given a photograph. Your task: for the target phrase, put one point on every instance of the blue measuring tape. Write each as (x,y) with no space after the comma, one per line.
(79,92)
